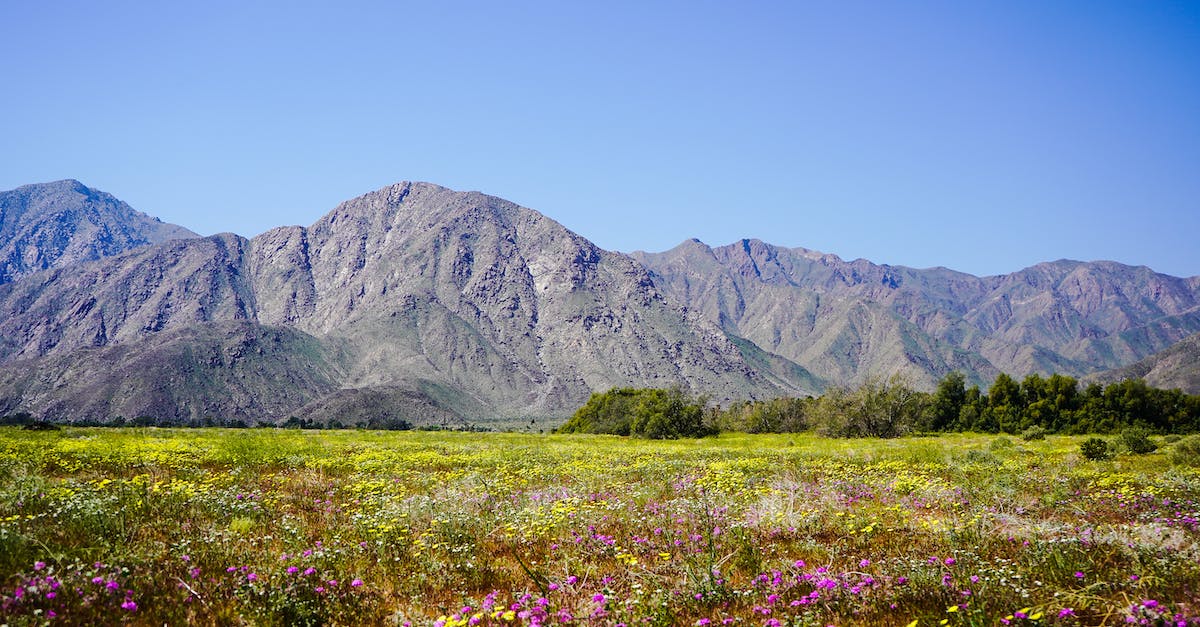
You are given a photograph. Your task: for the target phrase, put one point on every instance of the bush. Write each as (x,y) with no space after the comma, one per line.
(647,413)
(1137,441)
(1095,449)
(1186,452)
(1036,432)
(1001,444)
(876,409)
(1173,438)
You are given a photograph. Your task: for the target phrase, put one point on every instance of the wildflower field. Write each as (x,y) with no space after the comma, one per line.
(213,526)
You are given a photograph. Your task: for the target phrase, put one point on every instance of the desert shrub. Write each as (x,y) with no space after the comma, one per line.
(1095,449)
(1001,444)
(1137,441)
(648,413)
(876,409)
(981,457)
(1186,452)
(1036,432)
(668,415)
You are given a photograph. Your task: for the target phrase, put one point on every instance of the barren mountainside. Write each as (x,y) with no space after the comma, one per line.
(420,304)
(1177,367)
(459,302)
(845,321)
(57,224)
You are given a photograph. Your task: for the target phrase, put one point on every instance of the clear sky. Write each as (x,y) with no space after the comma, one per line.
(982,136)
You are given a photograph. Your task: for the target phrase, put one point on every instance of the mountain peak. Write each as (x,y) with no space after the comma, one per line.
(50,225)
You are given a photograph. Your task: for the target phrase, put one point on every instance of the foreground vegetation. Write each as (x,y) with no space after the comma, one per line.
(150,526)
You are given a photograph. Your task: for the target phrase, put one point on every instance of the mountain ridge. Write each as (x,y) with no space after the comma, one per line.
(49,225)
(417,288)
(421,304)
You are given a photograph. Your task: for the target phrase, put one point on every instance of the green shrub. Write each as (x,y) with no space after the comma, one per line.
(1173,438)
(1036,432)
(1186,452)
(647,413)
(1095,449)
(1001,444)
(1137,441)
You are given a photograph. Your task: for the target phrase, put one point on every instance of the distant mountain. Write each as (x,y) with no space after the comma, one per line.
(844,321)
(421,304)
(56,224)
(415,295)
(1177,367)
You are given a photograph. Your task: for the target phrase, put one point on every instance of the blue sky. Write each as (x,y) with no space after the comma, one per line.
(982,136)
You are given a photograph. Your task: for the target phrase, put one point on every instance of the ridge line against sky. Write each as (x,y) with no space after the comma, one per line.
(983,138)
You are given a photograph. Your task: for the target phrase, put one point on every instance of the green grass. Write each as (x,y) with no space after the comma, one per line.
(215,526)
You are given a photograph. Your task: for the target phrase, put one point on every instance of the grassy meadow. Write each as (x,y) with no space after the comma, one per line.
(213,526)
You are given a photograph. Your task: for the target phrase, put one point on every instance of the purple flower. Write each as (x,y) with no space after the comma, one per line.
(598,598)
(356,583)
(1079,574)
(950,561)
(309,571)
(292,570)
(864,563)
(252,577)
(1065,612)
(112,585)
(129,606)
(39,565)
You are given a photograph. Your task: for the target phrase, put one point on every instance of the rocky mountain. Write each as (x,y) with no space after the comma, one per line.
(846,320)
(1177,367)
(460,304)
(57,224)
(421,304)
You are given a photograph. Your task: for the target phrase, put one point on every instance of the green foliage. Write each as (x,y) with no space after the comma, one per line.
(946,404)
(1136,440)
(648,413)
(877,409)
(1095,449)
(1002,444)
(668,415)
(1035,432)
(1186,452)
(780,415)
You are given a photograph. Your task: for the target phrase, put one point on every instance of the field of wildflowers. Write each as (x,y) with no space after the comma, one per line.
(211,526)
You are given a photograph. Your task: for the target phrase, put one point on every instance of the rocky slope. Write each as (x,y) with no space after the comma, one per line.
(844,321)
(421,304)
(461,303)
(1177,367)
(52,225)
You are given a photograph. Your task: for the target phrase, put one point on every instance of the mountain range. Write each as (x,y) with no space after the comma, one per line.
(421,304)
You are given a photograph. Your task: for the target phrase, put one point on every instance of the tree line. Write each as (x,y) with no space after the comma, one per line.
(891,408)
